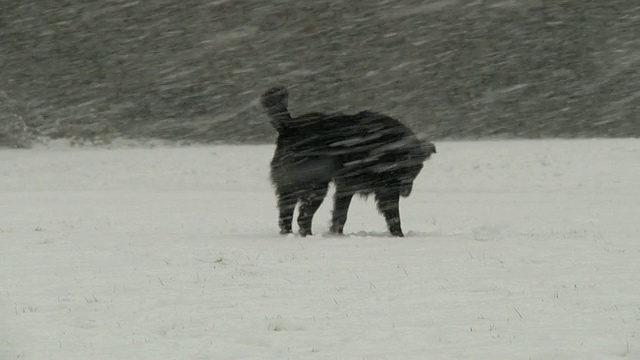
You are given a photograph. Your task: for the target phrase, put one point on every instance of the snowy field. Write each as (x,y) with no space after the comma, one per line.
(514,250)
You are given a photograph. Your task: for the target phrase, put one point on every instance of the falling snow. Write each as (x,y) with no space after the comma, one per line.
(191,70)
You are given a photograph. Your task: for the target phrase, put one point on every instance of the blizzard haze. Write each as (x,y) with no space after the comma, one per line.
(514,250)
(189,69)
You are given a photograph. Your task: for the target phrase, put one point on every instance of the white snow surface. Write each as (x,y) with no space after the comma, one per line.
(514,250)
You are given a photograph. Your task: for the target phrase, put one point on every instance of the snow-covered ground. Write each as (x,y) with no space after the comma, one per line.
(514,250)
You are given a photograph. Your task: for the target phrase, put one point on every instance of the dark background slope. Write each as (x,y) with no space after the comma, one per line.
(192,69)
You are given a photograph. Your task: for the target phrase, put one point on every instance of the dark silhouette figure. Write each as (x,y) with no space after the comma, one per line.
(364,153)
